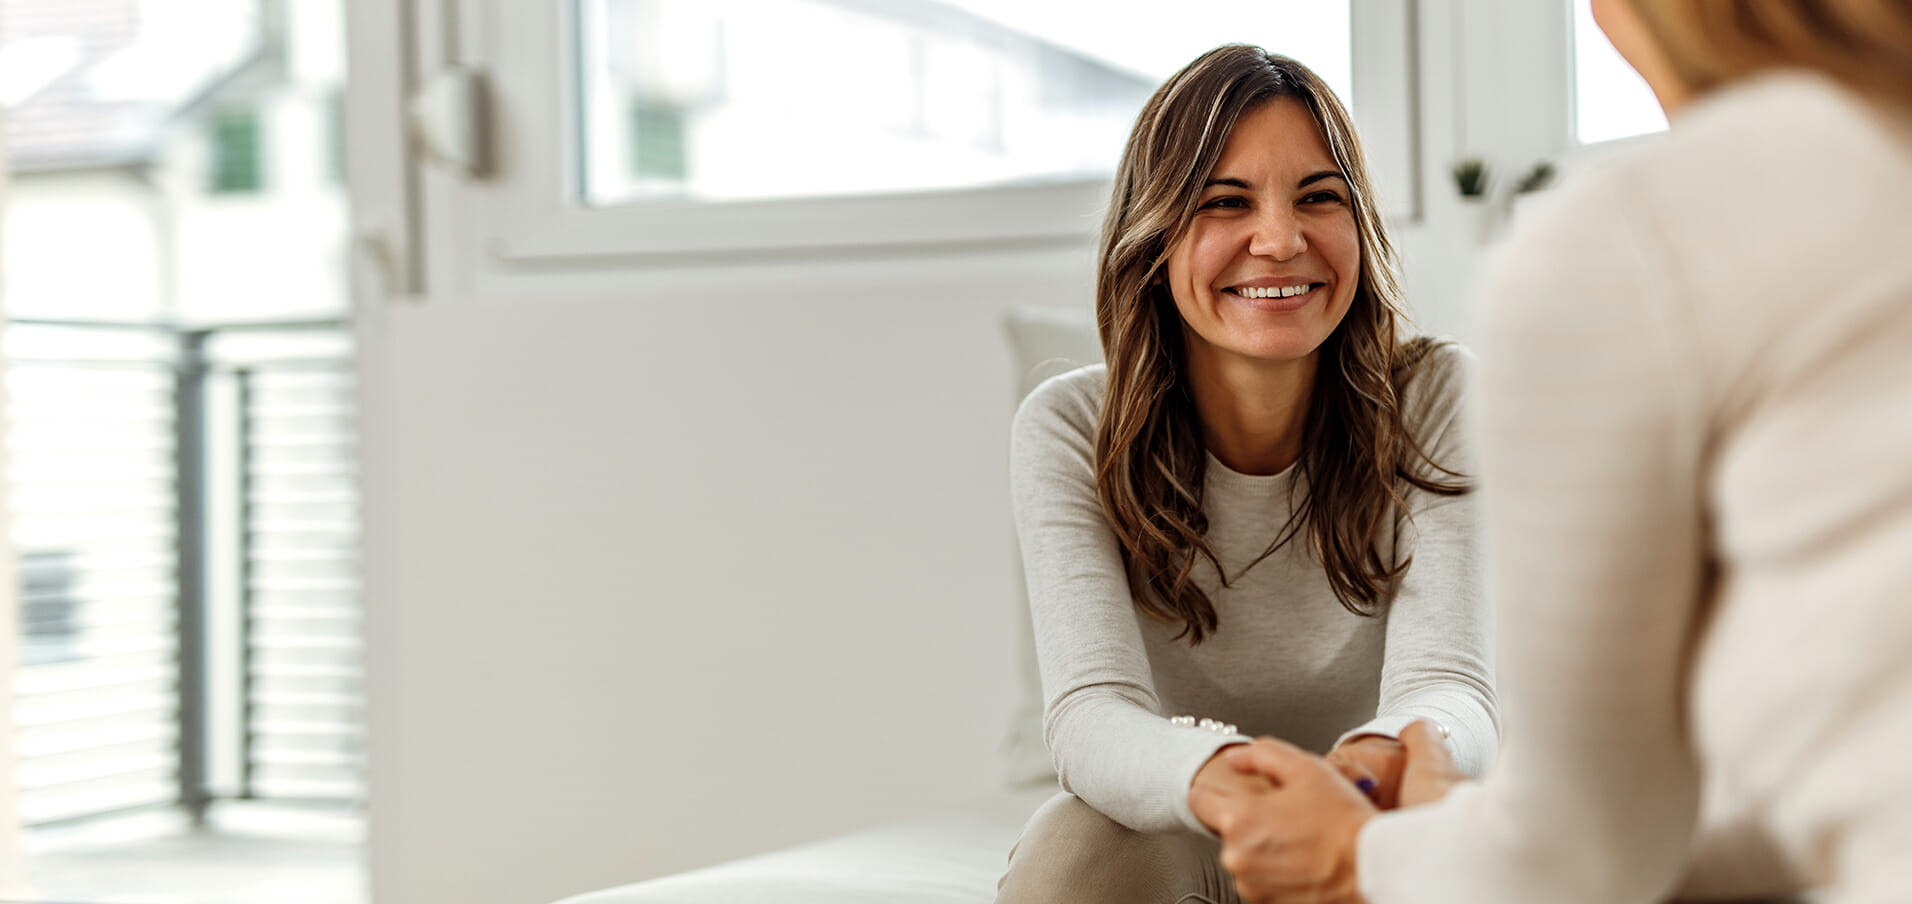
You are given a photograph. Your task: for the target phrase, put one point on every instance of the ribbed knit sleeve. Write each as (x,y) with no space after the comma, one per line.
(1102,720)
(1440,628)
(1590,445)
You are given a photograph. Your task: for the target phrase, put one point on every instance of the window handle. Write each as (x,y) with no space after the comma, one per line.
(380,251)
(451,120)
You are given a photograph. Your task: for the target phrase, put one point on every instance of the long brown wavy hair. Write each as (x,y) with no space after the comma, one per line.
(1357,455)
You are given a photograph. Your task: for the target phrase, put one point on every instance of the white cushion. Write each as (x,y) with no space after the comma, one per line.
(1046,341)
(951,858)
(1043,342)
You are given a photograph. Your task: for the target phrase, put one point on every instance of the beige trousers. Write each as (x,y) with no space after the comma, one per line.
(1070,853)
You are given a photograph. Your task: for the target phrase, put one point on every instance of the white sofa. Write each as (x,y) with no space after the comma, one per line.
(953,857)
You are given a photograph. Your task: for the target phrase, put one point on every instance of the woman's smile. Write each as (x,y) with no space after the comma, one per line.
(1282,297)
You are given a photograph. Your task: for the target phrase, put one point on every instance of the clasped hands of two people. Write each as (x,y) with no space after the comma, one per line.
(1288,819)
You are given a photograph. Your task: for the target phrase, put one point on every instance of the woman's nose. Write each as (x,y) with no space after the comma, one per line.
(1277,234)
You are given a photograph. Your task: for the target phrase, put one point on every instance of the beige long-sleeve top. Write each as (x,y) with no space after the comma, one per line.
(1287,659)
(1696,409)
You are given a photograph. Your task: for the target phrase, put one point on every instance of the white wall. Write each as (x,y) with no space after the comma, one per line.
(10,867)
(1493,84)
(658,581)
(87,244)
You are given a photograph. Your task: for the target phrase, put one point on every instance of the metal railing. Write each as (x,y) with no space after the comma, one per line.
(185,521)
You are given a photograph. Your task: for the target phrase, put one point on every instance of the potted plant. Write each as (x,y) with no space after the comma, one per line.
(1473,179)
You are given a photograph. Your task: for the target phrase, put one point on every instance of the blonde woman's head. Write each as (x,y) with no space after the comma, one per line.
(1689,47)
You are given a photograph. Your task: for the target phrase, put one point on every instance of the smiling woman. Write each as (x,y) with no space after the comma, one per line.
(1175,213)
(1278,196)
(1257,512)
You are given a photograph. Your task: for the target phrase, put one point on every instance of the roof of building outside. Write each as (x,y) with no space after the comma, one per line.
(55,56)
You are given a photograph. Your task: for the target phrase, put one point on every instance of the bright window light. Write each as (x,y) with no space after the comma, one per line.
(1610,100)
(729,99)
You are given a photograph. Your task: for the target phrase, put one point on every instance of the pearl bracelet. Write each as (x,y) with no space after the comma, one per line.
(1221,728)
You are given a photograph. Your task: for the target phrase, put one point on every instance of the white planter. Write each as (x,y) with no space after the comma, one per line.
(1480,218)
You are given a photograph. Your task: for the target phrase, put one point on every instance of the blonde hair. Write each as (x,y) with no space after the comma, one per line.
(1357,454)
(1865,44)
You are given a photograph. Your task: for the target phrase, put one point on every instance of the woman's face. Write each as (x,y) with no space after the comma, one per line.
(1271,261)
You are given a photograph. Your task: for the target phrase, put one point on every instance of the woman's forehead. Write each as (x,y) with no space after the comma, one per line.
(1277,139)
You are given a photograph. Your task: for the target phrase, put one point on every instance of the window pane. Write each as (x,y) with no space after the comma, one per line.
(727,99)
(235,152)
(1610,99)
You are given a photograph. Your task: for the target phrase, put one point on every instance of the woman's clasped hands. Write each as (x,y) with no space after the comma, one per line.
(1289,819)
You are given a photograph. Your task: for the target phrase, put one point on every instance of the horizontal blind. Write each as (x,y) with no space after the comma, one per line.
(91,485)
(304,661)
(94,466)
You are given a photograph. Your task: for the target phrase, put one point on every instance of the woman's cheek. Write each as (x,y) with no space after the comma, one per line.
(1219,246)
(1345,250)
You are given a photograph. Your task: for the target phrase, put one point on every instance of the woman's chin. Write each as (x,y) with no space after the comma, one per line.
(1266,354)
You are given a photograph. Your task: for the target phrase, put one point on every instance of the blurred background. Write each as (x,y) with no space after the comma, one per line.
(486,450)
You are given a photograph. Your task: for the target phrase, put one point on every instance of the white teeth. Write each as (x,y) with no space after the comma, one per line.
(1288,292)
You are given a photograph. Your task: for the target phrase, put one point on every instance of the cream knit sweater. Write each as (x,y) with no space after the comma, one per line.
(1696,456)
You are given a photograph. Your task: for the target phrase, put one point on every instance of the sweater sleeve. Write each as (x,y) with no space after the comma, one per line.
(1102,720)
(1438,663)
(1590,439)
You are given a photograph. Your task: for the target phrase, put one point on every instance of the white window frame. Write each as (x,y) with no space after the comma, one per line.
(1574,152)
(536,210)
(527,216)
(1530,80)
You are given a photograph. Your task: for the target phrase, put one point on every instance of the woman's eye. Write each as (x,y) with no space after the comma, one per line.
(1226,201)
(1322,197)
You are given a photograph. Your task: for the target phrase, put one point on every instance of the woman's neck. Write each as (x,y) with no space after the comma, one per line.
(1253,412)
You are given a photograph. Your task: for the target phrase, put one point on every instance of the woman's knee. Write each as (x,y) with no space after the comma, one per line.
(1069,851)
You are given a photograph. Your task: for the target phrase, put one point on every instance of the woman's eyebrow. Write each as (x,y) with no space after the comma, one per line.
(1312,178)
